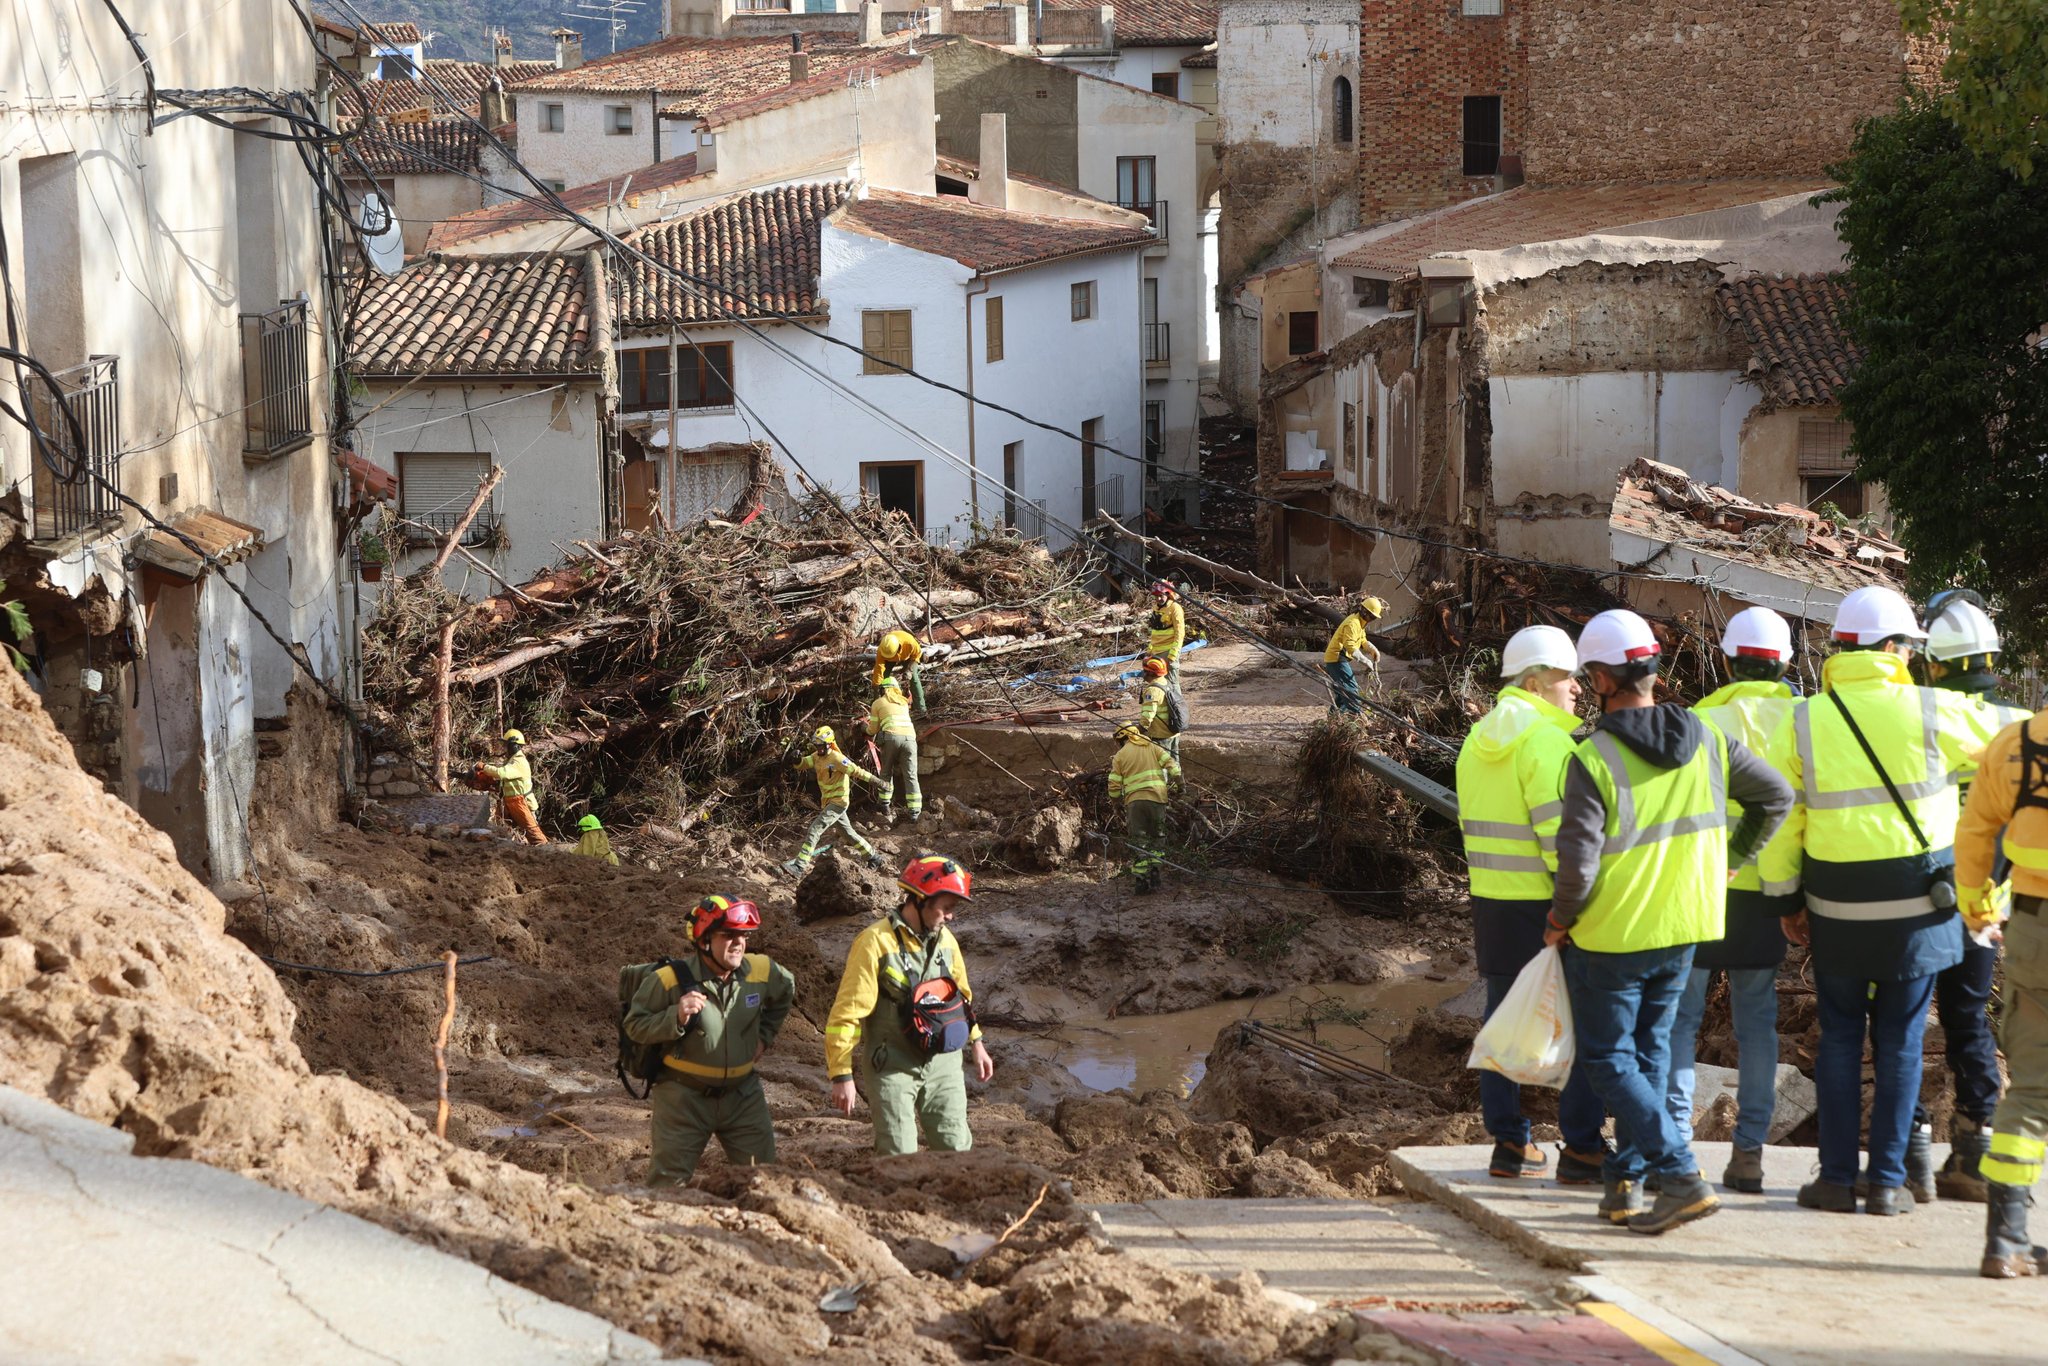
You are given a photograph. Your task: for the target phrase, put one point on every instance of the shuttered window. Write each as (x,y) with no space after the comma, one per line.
(994,325)
(885,337)
(435,486)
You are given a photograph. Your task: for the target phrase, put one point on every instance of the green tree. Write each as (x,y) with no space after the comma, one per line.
(1995,76)
(1948,267)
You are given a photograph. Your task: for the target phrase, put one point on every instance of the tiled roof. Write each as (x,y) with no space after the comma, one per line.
(466,80)
(462,82)
(518,213)
(988,240)
(1664,504)
(705,72)
(1204,60)
(875,62)
(420,147)
(758,253)
(223,539)
(477,315)
(1551,213)
(1799,354)
(396,35)
(959,168)
(1156,23)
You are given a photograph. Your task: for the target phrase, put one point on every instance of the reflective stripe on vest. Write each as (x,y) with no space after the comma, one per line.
(1933,784)
(1627,835)
(1663,882)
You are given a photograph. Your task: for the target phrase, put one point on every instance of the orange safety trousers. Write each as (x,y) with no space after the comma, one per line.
(519,815)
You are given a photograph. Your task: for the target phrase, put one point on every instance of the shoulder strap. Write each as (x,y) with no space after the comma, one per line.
(665,969)
(1884,777)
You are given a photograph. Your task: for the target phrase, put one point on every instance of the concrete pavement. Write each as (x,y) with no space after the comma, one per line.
(110,1259)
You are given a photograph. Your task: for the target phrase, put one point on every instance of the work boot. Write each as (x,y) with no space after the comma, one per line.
(1889,1200)
(2008,1253)
(1141,884)
(875,859)
(1745,1171)
(889,819)
(795,867)
(1575,1168)
(1959,1178)
(1681,1200)
(1920,1163)
(1517,1159)
(1620,1201)
(1827,1196)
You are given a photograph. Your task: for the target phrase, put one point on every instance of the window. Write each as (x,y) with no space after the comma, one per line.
(1137,183)
(1368,292)
(885,337)
(704,375)
(1350,451)
(1166,83)
(1091,436)
(434,488)
(395,66)
(1155,439)
(992,323)
(643,379)
(551,118)
(1303,331)
(1155,334)
(1340,109)
(618,119)
(1013,462)
(1827,468)
(1081,300)
(1482,134)
(1482,9)
(897,486)
(556,185)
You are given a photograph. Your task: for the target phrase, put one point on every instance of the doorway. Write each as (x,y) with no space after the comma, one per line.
(897,486)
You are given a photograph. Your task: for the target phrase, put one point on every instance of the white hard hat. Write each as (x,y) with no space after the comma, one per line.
(1961,631)
(1873,614)
(1617,638)
(1758,633)
(1537,647)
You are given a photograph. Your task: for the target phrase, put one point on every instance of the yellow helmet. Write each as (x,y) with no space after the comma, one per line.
(823,735)
(1372,606)
(515,737)
(1128,732)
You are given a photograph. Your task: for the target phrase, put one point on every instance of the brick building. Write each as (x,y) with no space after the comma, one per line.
(1443,102)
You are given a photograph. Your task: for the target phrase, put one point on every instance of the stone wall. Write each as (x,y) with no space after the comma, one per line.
(1418,61)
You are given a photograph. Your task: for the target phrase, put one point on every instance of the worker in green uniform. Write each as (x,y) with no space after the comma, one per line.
(895,735)
(593,842)
(904,971)
(1166,629)
(835,773)
(717,1012)
(1139,777)
(1154,709)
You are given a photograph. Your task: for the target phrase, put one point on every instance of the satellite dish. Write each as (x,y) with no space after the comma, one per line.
(380,237)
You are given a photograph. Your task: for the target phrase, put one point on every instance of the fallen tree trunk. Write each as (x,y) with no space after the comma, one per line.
(1242,578)
(583,634)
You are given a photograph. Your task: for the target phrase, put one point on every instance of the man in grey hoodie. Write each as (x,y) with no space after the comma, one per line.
(1643,859)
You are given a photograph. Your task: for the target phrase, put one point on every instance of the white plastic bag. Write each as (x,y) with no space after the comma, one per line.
(1529,1039)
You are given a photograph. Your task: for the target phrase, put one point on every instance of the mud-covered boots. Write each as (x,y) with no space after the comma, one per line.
(2008,1252)
(1959,1178)
(1920,1162)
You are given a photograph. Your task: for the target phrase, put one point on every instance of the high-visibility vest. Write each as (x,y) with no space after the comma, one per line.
(895,647)
(515,776)
(1166,630)
(833,770)
(1982,718)
(1510,795)
(1139,772)
(1349,636)
(891,715)
(1664,857)
(1750,712)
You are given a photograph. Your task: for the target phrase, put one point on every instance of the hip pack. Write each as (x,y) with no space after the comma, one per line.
(937,1017)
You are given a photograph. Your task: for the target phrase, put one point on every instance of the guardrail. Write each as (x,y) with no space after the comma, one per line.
(279,415)
(1153,209)
(74,485)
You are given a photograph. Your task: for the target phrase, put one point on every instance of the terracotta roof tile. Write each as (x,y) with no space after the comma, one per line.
(477,315)
(396,35)
(1552,213)
(988,240)
(422,147)
(757,252)
(706,73)
(1200,61)
(461,82)
(518,213)
(1156,23)
(877,62)
(1799,354)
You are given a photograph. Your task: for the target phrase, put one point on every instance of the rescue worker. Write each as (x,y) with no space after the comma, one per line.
(1510,784)
(1875,760)
(834,772)
(1167,629)
(1962,650)
(1750,708)
(1153,708)
(1348,646)
(888,720)
(899,652)
(2011,792)
(594,842)
(1643,852)
(871,1048)
(718,1012)
(1139,776)
(514,778)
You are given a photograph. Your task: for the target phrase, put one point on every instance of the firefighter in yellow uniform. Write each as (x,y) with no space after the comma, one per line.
(896,740)
(2011,792)
(593,842)
(1166,629)
(913,1080)
(1348,646)
(514,778)
(898,652)
(1139,777)
(835,773)
(1153,707)
(716,1013)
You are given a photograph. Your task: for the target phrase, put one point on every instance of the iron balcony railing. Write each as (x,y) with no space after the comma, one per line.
(1025,517)
(1153,209)
(74,484)
(1105,495)
(278,416)
(431,528)
(1158,343)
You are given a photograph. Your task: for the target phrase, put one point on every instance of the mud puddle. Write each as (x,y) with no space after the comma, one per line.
(1170,1052)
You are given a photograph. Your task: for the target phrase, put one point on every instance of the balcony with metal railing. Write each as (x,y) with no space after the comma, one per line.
(1154,210)
(1103,496)
(1158,342)
(77,448)
(278,412)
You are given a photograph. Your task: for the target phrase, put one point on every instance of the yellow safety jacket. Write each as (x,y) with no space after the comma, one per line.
(1168,630)
(598,845)
(515,776)
(2003,795)
(1664,859)
(1152,710)
(879,968)
(1140,772)
(890,713)
(1510,791)
(1349,636)
(1750,712)
(742,1015)
(896,647)
(835,771)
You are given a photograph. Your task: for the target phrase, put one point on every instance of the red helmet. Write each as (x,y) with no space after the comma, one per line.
(1162,589)
(1155,666)
(719,913)
(928,874)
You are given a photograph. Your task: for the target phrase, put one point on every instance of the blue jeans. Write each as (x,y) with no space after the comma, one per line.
(1753,1001)
(1344,683)
(1623,1006)
(1579,1112)
(1895,1013)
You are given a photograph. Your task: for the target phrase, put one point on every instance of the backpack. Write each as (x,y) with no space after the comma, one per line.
(1176,712)
(937,1017)
(636,1060)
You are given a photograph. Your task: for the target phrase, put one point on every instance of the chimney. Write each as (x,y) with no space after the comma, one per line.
(568,49)
(496,109)
(799,60)
(870,22)
(992,188)
(501,47)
